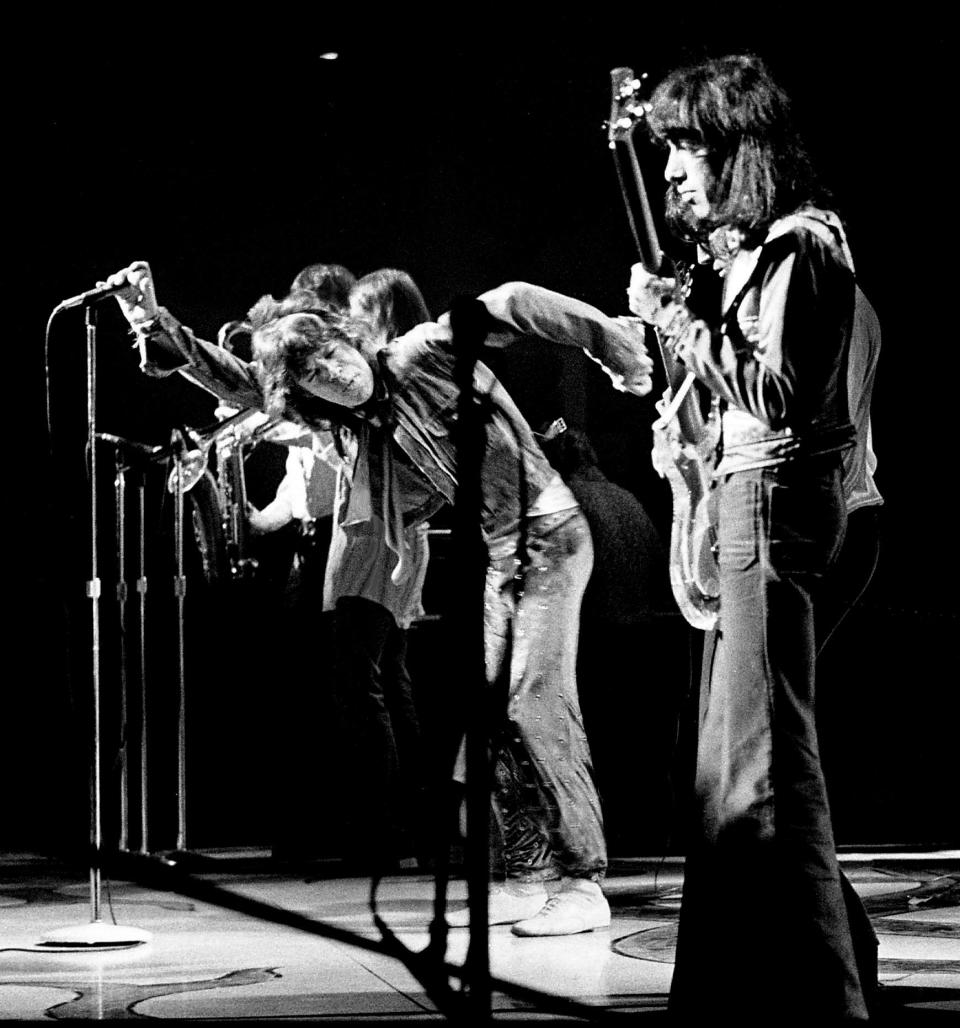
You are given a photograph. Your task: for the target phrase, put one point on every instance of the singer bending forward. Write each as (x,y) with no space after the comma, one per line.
(315,366)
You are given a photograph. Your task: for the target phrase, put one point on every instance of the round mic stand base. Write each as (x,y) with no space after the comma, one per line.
(96,935)
(185,860)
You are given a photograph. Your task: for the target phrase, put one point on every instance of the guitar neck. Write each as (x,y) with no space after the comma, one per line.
(639,215)
(652,257)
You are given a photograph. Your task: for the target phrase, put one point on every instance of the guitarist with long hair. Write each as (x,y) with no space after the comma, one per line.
(762,888)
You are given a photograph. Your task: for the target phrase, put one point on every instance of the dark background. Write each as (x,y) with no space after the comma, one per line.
(231,156)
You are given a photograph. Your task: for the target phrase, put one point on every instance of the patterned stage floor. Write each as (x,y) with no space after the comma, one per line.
(243,939)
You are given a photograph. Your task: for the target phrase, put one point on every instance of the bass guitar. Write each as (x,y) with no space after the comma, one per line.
(685,441)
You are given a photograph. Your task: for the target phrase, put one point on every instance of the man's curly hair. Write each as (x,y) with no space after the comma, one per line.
(287,334)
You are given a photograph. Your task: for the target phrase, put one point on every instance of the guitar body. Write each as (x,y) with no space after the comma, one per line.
(685,444)
(694,576)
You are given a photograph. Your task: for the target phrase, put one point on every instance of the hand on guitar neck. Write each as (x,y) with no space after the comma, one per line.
(649,296)
(662,304)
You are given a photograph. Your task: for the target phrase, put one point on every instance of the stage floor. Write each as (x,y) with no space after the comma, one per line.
(219,949)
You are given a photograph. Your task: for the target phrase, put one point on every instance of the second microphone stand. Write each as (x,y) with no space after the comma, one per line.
(178,488)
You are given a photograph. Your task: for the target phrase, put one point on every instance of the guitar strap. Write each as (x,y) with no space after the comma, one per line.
(729,318)
(669,412)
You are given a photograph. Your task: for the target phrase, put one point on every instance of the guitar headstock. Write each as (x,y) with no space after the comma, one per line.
(628,107)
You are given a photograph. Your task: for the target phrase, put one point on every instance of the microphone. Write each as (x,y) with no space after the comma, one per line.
(142,448)
(134,449)
(91,296)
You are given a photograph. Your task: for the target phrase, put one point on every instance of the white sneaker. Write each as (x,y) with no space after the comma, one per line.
(504,907)
(579,906)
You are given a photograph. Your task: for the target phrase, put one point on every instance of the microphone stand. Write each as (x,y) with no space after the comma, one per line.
(132,456)
(180,853)
(468,336)
(180,591)
(142,591)
(120,499)
(96,934)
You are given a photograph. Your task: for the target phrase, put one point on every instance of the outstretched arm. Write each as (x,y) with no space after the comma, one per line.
(617,344)
(167,346)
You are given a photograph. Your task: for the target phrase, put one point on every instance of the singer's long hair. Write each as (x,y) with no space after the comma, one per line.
(287,333)
(732,107)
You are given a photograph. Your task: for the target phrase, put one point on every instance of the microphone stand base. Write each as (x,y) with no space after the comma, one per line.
(185,860)
(95,936)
